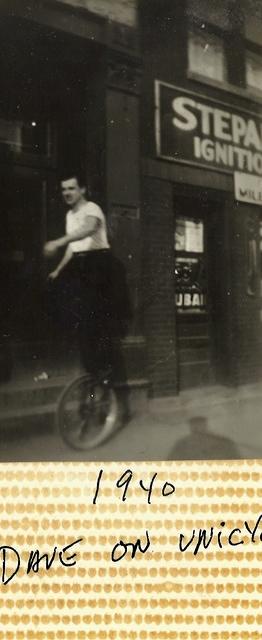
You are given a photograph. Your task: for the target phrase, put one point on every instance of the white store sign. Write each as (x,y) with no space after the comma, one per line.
(248,188)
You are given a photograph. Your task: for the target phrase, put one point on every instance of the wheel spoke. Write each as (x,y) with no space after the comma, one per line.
(87,413)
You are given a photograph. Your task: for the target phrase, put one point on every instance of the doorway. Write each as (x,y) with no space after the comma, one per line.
(51,103)
(23,198)
(195,291)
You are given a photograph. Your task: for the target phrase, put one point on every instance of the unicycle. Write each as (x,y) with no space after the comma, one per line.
(87,412)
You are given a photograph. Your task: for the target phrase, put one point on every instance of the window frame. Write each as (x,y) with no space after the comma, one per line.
(246,91)
(211,32)
(256,55)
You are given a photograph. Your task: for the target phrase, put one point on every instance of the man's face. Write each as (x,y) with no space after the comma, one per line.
(71,191)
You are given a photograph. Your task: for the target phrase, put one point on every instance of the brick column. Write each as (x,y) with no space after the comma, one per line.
(159,286)
(123,177)
(245,294)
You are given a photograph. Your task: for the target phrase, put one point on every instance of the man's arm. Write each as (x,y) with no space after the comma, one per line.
(66,258)
(88,228)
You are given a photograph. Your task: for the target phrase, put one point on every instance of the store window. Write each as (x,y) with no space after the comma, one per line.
(206,55)
(26,136)
(253,71)
(190,272)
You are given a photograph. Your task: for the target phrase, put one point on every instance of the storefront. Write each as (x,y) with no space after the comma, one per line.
(174,159)
(202,168)
(69,95)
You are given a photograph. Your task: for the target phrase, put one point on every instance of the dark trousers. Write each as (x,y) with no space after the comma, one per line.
(89,301)
(83,299)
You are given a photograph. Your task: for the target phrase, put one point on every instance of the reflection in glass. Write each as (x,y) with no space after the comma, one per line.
(26,136)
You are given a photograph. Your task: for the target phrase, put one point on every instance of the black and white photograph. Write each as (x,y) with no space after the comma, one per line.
(131,234)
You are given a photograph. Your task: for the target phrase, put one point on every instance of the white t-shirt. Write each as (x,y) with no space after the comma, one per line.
(74,221)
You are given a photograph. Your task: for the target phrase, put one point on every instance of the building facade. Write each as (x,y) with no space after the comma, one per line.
(201,191)
(159,102)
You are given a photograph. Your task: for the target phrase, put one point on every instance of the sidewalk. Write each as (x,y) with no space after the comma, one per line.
(209,423)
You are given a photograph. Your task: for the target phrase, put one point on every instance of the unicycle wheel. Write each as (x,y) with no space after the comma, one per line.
(87,412)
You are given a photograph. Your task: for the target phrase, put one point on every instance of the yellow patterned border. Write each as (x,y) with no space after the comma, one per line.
(168,551)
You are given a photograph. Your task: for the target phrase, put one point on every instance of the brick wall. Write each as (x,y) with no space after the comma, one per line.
(246,327)
(123,11)
(158,285)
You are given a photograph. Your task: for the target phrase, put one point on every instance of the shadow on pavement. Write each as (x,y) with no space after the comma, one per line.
(200,444)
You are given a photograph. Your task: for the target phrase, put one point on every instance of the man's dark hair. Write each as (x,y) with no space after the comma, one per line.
(78,175)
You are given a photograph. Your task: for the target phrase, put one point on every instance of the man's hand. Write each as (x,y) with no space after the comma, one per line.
(50,248)
(53,275)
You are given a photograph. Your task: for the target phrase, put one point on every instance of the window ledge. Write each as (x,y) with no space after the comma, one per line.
(248,94)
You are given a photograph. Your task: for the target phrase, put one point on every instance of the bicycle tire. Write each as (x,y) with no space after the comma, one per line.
(87,412)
